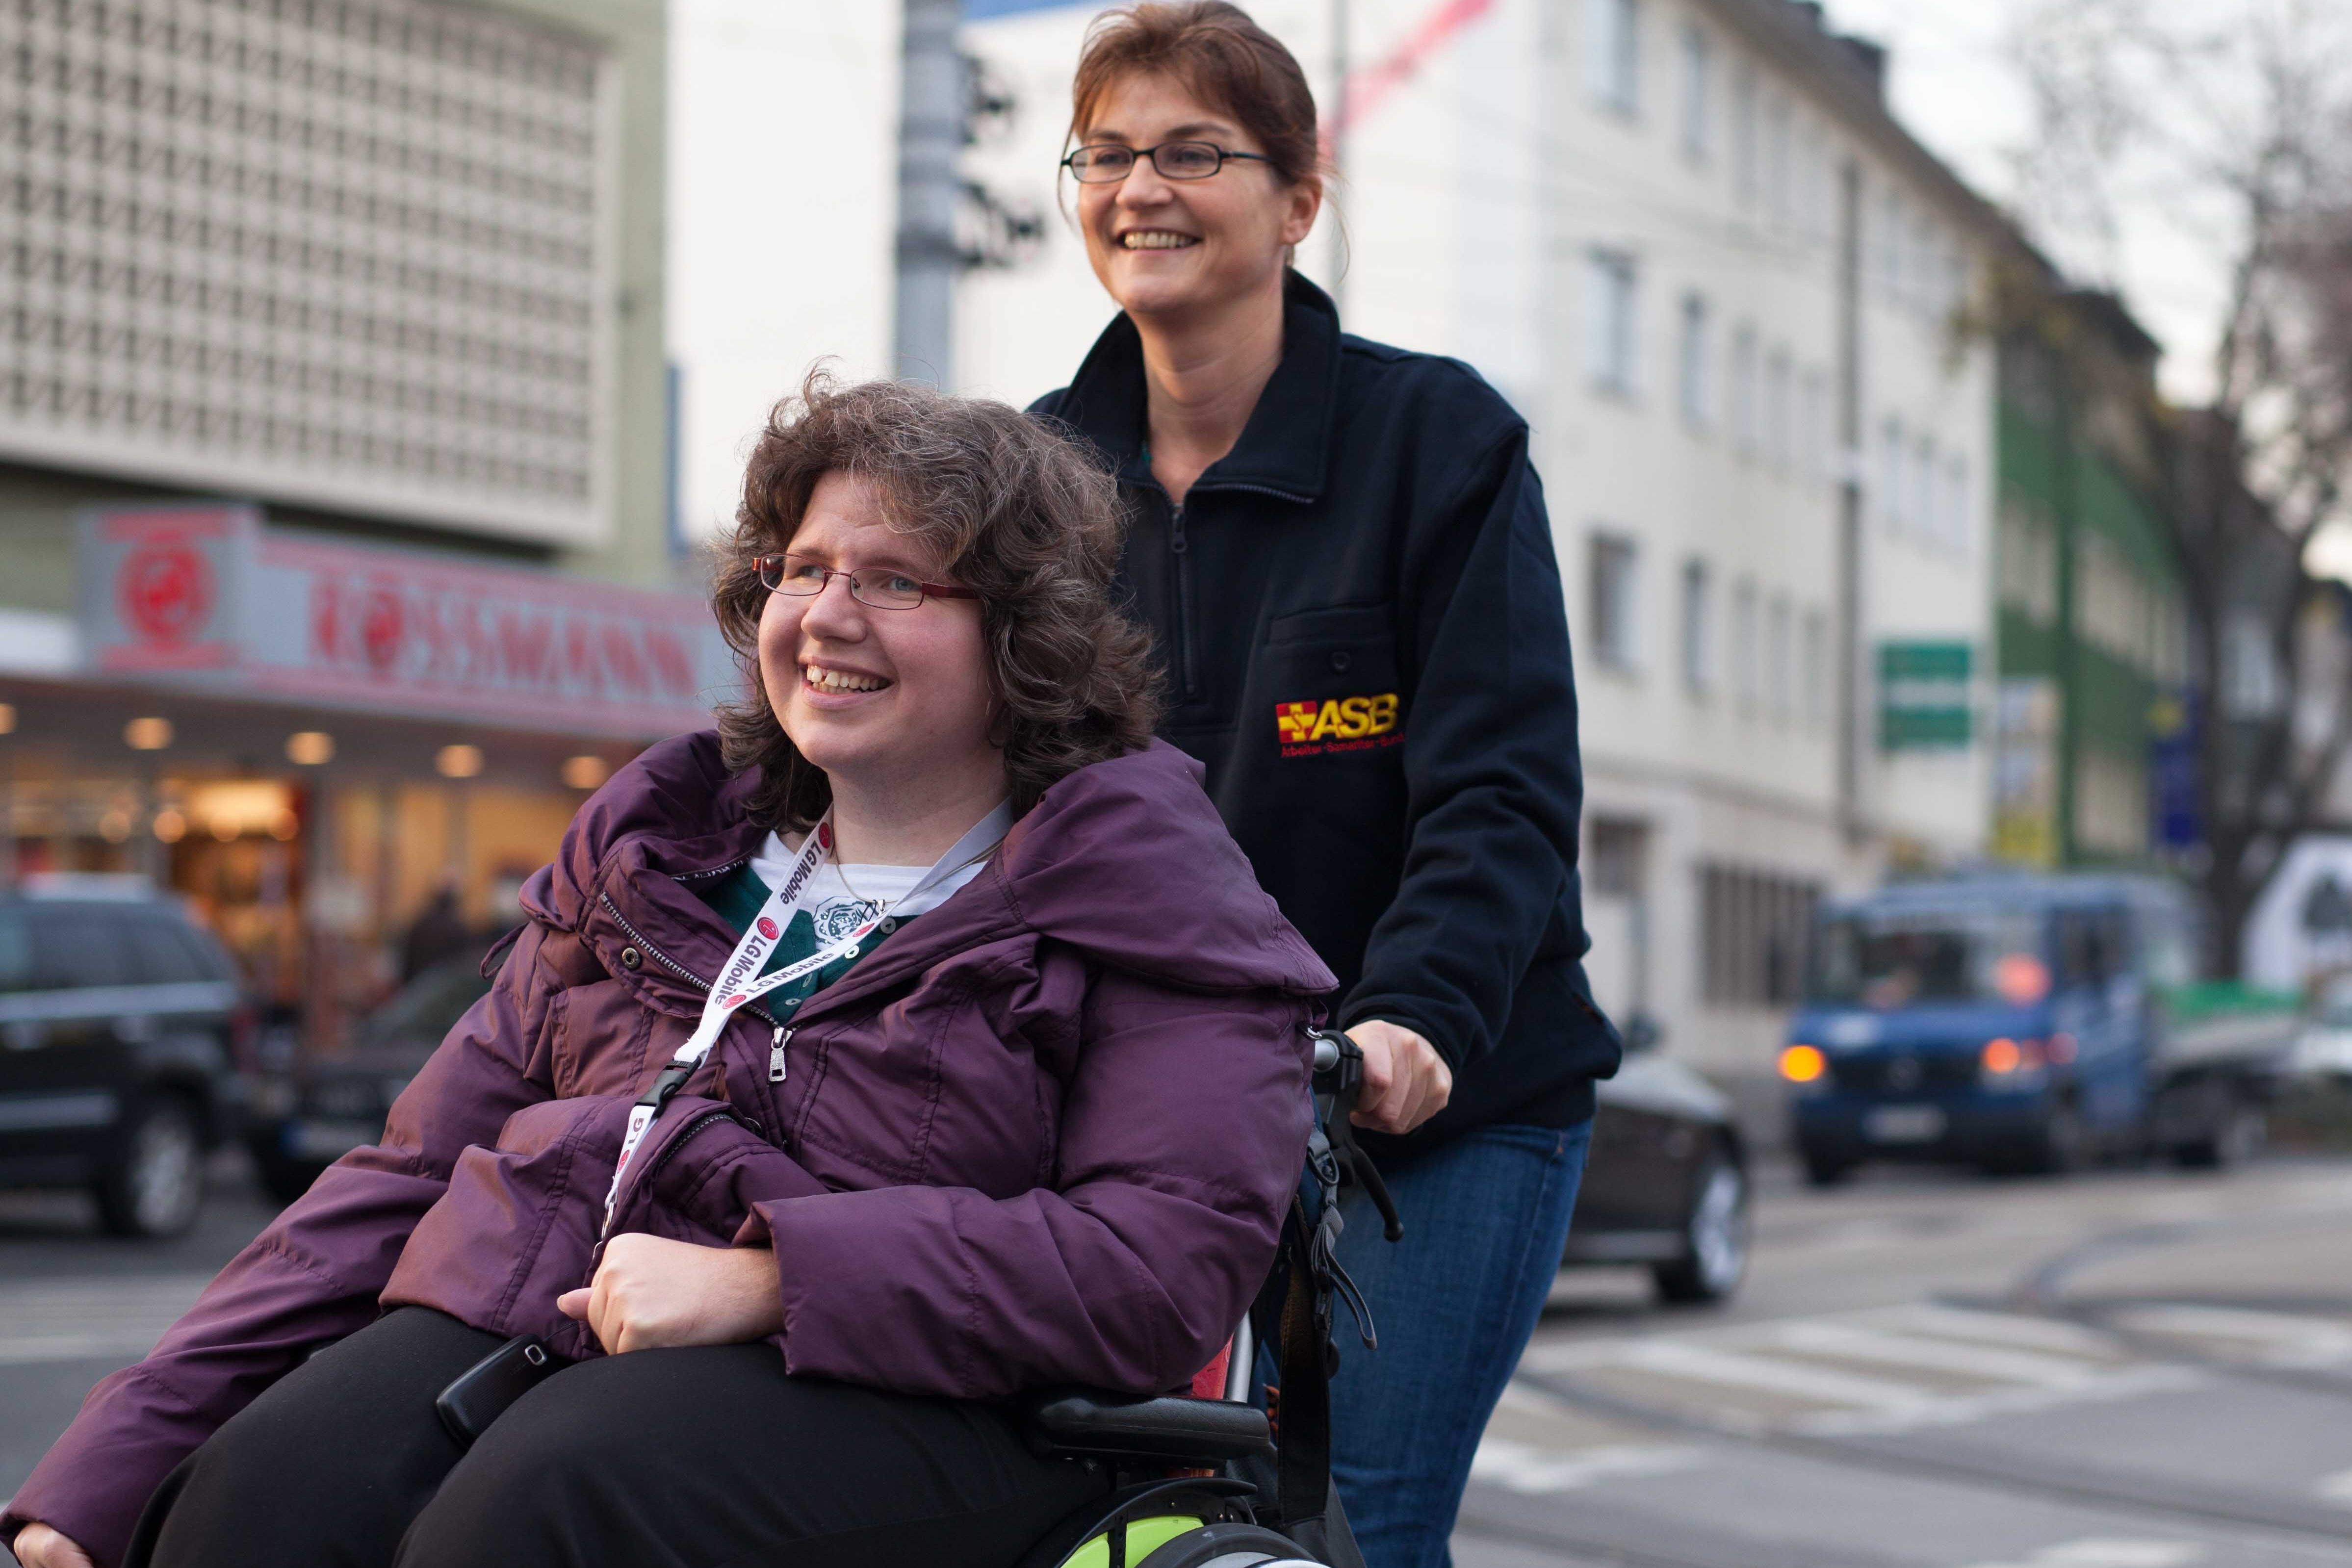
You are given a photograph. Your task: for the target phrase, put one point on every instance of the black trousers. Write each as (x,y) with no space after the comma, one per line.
(708,1458)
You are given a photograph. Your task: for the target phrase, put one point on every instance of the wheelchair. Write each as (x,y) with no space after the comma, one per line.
(1242,1482)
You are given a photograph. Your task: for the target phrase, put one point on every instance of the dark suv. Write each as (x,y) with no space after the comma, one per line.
(121,1024)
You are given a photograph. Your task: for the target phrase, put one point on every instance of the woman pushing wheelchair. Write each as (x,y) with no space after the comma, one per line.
(918,1037)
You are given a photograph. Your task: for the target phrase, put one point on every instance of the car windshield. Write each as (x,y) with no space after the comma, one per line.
(426,1008)
(1895,959)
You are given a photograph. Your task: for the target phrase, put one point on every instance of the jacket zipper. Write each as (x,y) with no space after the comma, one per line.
(1181,548)
(716,1114)
(666,961)
(708,870)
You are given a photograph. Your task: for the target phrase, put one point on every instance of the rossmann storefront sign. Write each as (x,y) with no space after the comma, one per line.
(208,598)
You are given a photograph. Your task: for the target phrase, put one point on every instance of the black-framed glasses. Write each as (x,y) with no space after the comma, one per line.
(1107,162)
(875,587)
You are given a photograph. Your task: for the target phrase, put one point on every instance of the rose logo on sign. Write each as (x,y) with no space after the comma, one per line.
(165,588)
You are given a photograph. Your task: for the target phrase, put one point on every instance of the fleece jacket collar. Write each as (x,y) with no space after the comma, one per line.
(1285,450)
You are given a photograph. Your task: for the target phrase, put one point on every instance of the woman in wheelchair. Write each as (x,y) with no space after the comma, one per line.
(917,1040)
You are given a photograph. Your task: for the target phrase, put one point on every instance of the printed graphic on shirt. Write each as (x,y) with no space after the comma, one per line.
(1337,724)
(838,917)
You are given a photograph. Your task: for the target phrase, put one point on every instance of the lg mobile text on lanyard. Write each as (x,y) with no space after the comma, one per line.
(740,981)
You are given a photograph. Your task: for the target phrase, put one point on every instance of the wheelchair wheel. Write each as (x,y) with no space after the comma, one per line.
(1229,1546)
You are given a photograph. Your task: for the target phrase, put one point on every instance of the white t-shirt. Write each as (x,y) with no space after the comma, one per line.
(838,899)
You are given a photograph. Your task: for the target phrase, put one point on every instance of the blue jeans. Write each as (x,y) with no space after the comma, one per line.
(1485,1220)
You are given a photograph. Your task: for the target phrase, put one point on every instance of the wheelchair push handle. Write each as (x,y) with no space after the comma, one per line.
(1339,1082)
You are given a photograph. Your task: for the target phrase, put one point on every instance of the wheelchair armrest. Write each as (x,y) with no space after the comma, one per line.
(1081,1423)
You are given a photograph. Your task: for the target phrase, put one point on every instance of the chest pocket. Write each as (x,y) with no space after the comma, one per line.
(1331,678)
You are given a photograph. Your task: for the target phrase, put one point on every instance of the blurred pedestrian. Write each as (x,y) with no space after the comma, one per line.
(1342,552)
(439,932)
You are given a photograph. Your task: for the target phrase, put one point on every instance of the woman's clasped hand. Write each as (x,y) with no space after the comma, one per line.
(651,1294)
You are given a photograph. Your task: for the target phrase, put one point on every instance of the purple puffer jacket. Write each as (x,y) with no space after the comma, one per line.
(1045,1134)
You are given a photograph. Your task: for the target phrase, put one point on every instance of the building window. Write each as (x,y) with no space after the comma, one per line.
(1744,391)
(1813,427)
(1779,673)
(1776,160)
(1779,416)
(1926,509)
(1696,358)
(1612,300)
(1890,246)
(1922,274)
(1890,476)
(1812,186)
(1753,930)
(1955,507)
(1816,667)
(1743,643)
(1698,629)
(1743,135)
(1616,591)
(1699,94)
(1612,32)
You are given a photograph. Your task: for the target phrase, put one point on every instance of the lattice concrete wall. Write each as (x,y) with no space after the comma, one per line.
(347,253)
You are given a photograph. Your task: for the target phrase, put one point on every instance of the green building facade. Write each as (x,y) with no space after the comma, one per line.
(2090,651)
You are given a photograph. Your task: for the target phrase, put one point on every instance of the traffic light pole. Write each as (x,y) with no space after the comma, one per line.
(930,133)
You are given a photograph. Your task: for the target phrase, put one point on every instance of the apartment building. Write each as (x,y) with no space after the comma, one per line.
(1730,293)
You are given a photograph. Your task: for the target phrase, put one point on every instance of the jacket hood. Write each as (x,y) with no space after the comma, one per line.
(1127,862)
(676,802)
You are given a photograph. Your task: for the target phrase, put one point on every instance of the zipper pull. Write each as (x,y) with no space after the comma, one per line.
(776,1054)
(1177,543)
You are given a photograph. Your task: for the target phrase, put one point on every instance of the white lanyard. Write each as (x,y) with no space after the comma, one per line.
(740,981)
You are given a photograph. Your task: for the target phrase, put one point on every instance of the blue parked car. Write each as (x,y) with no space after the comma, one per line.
(2016,1023)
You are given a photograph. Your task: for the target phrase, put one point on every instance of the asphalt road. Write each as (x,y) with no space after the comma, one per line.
(2123,1370)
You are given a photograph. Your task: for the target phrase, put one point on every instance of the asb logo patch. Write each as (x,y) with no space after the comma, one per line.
(768,928)
(1336,724)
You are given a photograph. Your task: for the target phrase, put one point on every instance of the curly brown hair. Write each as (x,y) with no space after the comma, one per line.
(1016,512)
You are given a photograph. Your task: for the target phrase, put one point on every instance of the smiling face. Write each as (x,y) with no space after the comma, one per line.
(1168,249)
(885,701)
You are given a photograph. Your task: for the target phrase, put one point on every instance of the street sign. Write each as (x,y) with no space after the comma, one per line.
(1924,696)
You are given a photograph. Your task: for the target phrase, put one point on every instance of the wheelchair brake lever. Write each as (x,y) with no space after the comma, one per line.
(1341,1060)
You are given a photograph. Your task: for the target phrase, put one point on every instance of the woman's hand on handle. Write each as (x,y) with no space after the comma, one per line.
(650,1293)
(38,1546)
(1405,1081)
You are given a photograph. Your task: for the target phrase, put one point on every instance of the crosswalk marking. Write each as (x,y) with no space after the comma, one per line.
(1881,1371)
(1818,1385)
(2001,1328)
(2103,1552)
(2274,1339)
(1848,1341)
(1529,1470)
